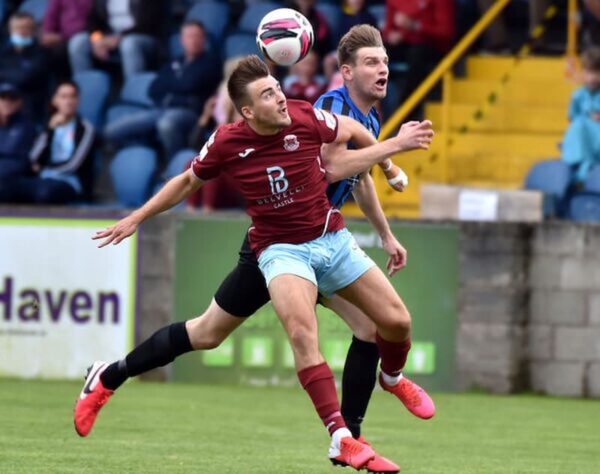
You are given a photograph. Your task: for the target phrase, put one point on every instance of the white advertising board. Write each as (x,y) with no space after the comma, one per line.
(63,302)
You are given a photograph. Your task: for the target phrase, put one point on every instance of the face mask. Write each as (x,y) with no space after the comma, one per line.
(21,41)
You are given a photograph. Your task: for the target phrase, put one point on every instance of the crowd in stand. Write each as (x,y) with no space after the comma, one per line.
(165,64)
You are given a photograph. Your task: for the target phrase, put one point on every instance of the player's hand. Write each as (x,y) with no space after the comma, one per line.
(415,135)
(397,253)
(117,232)
(396,178)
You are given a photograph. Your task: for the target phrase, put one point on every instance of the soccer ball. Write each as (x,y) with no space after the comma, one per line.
(284,36)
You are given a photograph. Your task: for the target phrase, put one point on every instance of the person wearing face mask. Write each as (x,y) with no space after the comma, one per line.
(23,64)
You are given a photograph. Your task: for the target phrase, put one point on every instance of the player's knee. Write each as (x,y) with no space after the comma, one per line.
(365,330)
(400,321)
(302,338)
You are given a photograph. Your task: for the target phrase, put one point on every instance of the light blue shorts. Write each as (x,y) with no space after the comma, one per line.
(331,262)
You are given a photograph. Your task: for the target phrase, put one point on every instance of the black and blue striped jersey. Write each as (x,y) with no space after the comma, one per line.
(339,102)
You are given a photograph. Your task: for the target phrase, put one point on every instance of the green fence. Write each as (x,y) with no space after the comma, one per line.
(258,352)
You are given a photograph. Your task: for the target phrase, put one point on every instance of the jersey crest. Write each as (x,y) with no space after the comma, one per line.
(291,143)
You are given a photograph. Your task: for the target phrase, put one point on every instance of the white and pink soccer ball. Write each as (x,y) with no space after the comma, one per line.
(284,36)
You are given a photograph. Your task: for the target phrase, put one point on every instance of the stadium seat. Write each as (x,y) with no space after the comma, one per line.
(333,17)
(36,8)
(585,205)
(213,15)
(552,177)
(132,171)
(94,87)
(134,96)
(378,11)
(240,44)
(176,165)
(592,182)
(253,14)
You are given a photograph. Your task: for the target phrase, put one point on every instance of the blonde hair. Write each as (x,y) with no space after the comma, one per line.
(359,36)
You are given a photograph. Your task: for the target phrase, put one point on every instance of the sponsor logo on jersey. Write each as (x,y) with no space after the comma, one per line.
(246,152)
(291,143)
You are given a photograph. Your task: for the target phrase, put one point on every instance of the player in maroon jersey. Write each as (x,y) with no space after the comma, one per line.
(274,156)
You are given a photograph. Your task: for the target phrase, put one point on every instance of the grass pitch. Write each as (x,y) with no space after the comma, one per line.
(178,428)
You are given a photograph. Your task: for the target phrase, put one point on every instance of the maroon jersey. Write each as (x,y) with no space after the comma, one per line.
(280,176)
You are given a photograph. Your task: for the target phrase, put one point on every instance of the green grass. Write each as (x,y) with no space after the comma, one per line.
(178,428)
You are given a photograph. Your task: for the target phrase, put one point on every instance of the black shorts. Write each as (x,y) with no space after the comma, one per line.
(244,291)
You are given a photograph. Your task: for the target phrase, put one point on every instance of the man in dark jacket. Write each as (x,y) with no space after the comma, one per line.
(129,27)
(23,64)
(17,134)
(179,92)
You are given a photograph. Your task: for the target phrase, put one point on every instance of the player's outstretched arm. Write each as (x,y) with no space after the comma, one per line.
(342,163)
(172,193)
(366,198)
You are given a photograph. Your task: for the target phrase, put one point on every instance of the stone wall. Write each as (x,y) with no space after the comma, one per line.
(529,308)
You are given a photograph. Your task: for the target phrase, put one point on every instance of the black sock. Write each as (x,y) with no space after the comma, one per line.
(159,349)
(358,382)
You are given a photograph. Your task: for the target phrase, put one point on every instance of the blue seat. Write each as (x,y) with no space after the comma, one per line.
(592,182)
(240,44)
(552,177)
(134,96)
(132,172)
(36,8)
(585,207)
(94,87)
(378,12)
(213,15)
(176,166)
(333,17)
(252,15)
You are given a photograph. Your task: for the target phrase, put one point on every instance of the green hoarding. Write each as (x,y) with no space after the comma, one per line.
(258,352)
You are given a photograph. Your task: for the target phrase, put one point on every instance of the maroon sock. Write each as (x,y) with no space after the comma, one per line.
(393,354)
(318,381)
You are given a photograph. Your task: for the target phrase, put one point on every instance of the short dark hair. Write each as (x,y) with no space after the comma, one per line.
(359,36)
(196,23)
(590,59)
(21,15)
(250,69)
(66,82)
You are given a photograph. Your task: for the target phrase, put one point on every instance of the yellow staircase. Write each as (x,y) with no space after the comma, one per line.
(523,123)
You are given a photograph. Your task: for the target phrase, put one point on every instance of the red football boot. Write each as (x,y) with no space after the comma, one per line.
(351,453)
(415,399)
(377,465)
(93,397)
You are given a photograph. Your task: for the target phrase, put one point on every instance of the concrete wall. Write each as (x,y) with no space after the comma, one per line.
(529,308)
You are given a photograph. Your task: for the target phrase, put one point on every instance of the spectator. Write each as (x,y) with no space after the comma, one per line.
(62,20)
(581,144)
(61,164)
(17,133)
(323,40)
(179,92)
(497,35)
(418,33)
(128,29)
(591,23)
(354,12)
(23,63)
(303,81)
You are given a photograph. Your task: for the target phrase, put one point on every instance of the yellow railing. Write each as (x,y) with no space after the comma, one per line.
(442,68)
